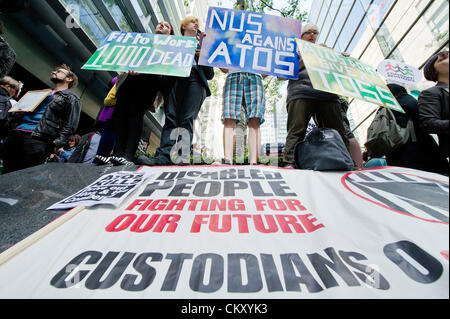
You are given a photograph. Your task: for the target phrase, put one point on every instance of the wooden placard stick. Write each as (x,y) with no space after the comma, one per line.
(33,238)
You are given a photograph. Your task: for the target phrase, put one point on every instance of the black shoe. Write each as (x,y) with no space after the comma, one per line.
(226,162)
(144,160)
(117,161)
(102,160)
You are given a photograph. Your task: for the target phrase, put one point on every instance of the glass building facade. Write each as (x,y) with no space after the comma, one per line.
(375,30)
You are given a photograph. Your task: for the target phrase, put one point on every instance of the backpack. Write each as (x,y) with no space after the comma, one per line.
(384,135)
(87,142)
(323,150)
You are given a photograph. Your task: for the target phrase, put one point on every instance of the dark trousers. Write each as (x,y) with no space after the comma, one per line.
(108,139)
(327,114)
(22,151)
(181,109)
(128,120)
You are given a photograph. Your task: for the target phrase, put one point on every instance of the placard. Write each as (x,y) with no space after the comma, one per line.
(251,42)
(108,189)
(249,232)
(144,53)
(402,73)
(30,101)
(332,72)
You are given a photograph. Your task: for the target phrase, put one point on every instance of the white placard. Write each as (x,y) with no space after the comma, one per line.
(30,101)
(109,189)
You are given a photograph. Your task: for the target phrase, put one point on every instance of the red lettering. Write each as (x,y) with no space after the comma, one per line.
(137,225)
(214,223)
(260,203)
(259,224)
(285,220)
(144,207)
(293,204)
(236,205)
(135,203)
(155,205)
(215,204)
(120,223)
(308,222)
(170,220)
(197,223)
(242,222)
(178,204)
(277,205)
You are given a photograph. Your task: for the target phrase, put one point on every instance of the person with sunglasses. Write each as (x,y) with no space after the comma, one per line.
(433,102)
(38,134)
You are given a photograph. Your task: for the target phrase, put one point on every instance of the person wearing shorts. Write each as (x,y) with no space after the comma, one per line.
(243,89)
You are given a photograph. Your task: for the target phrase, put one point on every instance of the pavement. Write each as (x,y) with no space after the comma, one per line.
(26,194)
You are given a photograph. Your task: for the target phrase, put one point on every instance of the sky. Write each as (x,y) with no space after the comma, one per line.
(278,4)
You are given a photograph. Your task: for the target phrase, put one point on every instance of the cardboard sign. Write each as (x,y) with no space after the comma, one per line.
(396,71)
(30,101)
(144,53)
(251,42)
(108,189)
(249,232)
(332,72)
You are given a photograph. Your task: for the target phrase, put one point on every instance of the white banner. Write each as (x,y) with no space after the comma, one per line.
(399,72)
(252,233)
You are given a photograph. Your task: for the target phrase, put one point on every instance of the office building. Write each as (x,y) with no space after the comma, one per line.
(375,30)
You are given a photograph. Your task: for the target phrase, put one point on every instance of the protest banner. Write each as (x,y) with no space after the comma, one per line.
(249,232)
(144,53)
(332,72)
(109,189)
(251,42)
(30,101)
(399,72)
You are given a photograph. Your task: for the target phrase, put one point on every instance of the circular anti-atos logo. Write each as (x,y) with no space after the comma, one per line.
(407,194)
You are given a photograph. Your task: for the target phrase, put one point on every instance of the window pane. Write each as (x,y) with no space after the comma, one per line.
(117,14)
(89,19)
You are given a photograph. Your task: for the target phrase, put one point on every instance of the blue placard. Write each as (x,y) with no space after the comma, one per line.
(251,42)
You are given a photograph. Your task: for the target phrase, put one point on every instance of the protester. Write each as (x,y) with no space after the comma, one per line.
(433,102)
(182,106)
(136,93)
(7,55)
(108,137)
(9,89)
(303,102)
(422,153)
(49,126)
(64,153)
(243,89)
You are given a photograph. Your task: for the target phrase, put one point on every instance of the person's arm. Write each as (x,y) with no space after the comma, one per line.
(430,110)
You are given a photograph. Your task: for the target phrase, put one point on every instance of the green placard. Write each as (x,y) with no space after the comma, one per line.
(332,72)
(144,53)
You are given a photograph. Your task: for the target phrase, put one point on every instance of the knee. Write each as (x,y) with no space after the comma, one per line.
(229,123)
(254,123)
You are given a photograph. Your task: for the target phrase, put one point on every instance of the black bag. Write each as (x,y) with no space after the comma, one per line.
(323,150)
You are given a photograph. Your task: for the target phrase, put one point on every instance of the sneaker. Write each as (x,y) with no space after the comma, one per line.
(144,160)
(151,161)
(117,161)
(102,160)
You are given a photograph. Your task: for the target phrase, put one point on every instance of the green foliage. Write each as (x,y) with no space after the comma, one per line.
(292,10)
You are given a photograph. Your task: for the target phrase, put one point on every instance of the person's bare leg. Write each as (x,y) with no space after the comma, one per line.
(355,152)
(254,140)
(228,139)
